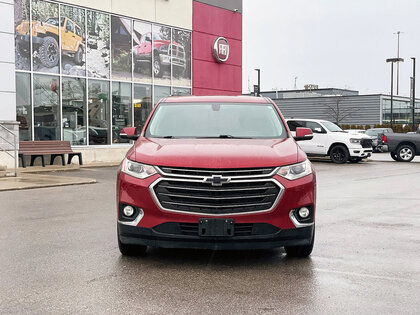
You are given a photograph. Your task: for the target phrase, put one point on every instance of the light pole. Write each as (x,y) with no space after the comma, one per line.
(413,93)
(392,61)
(259,83)
(398,56)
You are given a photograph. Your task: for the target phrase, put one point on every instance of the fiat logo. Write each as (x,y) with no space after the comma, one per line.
(221,49)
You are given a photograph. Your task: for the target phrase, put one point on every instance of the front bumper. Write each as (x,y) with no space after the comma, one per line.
(148,230)
(361,152)
(165,237)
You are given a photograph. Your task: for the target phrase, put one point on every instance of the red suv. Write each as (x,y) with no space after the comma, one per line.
(216,172)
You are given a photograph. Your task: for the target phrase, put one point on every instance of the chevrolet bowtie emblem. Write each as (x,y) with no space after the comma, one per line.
(217,180)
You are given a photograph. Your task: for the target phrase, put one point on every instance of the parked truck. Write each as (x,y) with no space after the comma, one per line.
(402,147)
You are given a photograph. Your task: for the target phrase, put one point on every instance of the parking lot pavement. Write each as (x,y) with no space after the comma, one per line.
(386,157)
(59,254)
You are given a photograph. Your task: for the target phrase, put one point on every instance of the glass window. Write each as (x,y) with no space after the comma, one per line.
(162,54)
(142,52)
(23,106)
(46,107)
(121,48)
(331,126)
(22,36)
(73,41)
(176,91)
(315,127)
(121,109)
(293,124)
(97,54)
(142,104)
(203,120)
(69,26)
(74,110)
(160,92)
(98,102)
(181,57)
(45,49)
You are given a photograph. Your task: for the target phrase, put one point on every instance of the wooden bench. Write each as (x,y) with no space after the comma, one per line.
(54,148)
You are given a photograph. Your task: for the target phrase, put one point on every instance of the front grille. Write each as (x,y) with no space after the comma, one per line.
(240,229)
(177,51)
(170,171)
(366,143)
(235,197)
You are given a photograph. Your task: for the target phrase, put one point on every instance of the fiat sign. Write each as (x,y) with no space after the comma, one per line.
(221,49)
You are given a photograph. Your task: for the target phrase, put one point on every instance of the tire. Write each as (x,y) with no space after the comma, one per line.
(339,154)
(78,56)
(394,156)
(22,51)
(157,67)
(131,250)
(48,52)
(301,251)
(405,153)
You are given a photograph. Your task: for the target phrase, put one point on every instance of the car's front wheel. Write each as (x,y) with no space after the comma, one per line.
(405,153)
(48,52)
(339,154)
(301,251)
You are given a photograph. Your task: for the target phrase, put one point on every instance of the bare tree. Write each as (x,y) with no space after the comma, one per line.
(337,112)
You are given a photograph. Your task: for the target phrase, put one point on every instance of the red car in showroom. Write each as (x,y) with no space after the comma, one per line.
(216,172)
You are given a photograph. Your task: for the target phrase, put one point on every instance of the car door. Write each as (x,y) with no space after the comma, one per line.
(319,143)
(67,36)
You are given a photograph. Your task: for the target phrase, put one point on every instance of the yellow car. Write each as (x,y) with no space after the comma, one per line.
(45,40)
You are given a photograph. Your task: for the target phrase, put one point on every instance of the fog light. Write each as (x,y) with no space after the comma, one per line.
(128,211)
(304,212)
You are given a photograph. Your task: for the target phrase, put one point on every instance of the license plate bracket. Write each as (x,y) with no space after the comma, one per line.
(216,227)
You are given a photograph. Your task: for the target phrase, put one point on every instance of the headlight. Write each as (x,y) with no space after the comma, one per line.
(356,141)
(295,171)
(138,170)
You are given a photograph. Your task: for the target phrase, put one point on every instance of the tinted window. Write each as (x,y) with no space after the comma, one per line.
(216,120)
(69,26)
(293,124)
(315,127)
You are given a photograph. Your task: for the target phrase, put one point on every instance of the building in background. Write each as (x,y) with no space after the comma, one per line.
(343,106)
(82,70)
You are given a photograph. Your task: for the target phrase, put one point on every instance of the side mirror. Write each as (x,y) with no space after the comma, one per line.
(303,134)
(129,133)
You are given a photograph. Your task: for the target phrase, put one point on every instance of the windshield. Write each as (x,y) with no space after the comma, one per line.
(156,36)
(216,121)
(372,132)
(332,127)
(52,21)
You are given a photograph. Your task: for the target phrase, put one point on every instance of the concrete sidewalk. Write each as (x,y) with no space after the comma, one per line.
(31,180)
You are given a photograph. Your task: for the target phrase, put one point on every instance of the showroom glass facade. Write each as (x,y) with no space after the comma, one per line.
(82,75)
(402,111)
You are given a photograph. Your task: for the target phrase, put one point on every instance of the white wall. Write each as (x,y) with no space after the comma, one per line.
(7,62)
(171,12)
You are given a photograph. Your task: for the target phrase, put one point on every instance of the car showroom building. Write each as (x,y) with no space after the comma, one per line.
(346,106)
(82,70)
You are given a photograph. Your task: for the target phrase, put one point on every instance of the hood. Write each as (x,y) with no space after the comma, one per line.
(216,153)
(350,135)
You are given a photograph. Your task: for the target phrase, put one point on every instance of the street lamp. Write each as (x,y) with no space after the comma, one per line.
(413,93)
(392,61)
(259,84)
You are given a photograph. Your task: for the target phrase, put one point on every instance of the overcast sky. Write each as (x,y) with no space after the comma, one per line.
(332,43)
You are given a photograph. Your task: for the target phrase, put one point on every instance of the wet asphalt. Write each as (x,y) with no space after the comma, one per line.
(59,254)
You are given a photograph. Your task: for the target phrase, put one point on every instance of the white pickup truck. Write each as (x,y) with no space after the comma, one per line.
(330,140)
